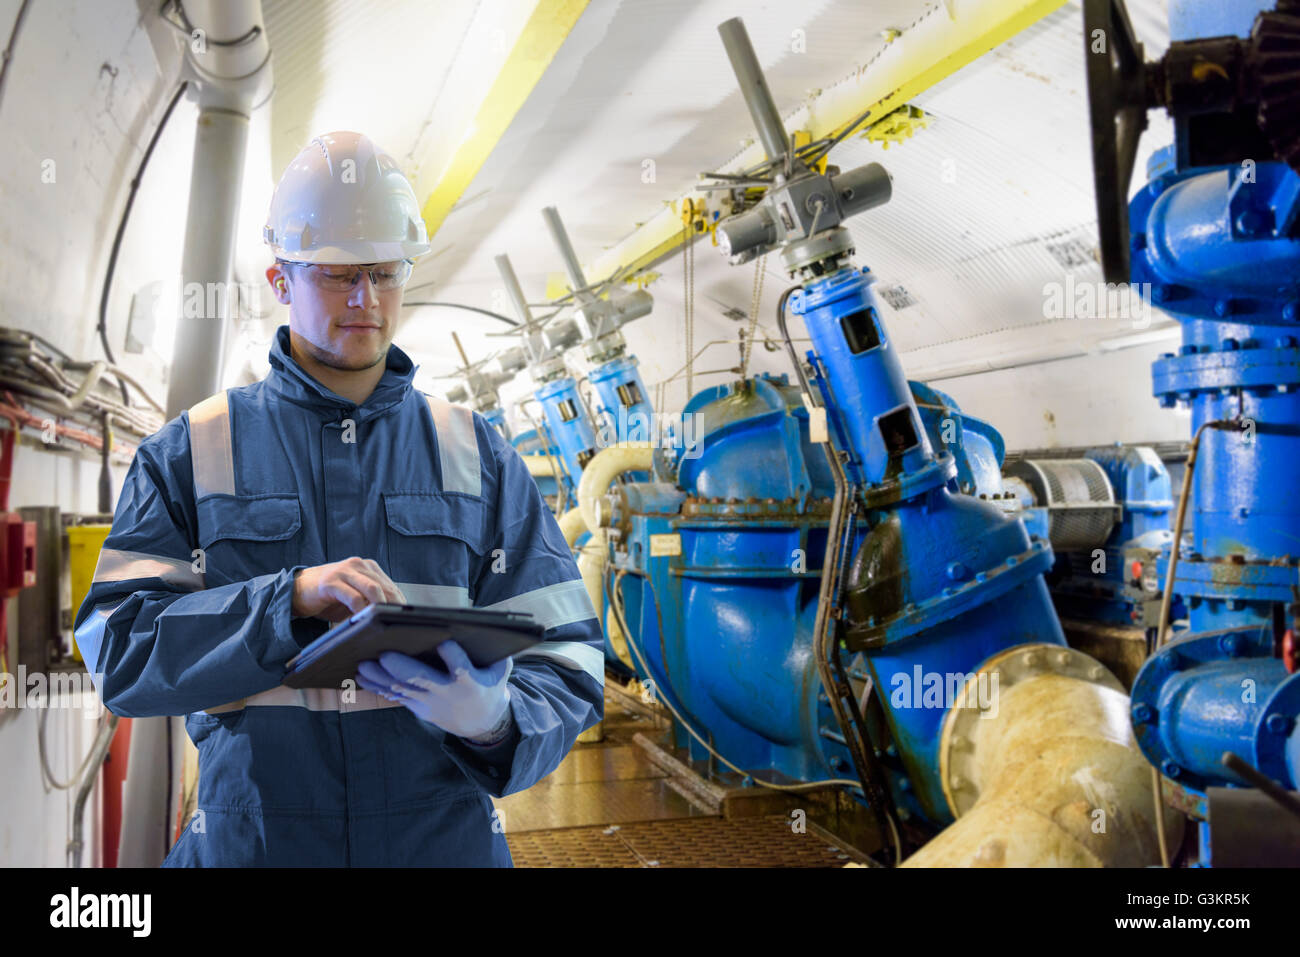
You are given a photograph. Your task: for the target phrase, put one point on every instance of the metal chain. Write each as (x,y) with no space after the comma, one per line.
(760,270)
(688,308)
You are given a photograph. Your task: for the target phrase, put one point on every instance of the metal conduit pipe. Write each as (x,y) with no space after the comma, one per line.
(1041,769)
(232,69)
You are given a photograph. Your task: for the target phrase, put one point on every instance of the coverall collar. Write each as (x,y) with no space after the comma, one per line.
(292,382)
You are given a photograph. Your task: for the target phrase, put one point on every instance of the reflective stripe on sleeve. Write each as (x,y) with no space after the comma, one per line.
(438,596)
(210,449)
(115,565)
(571,654)
(354,698)
(552,605)
(457,447)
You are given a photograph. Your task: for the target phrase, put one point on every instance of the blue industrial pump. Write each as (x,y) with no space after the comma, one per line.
(570,429)
(623,411)
(571,433)
(1106,513)
(566,431)
(478,388)
(821,520)
(1214,235)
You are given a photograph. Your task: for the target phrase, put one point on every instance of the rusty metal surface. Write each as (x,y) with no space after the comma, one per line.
(695,842)
(779,511)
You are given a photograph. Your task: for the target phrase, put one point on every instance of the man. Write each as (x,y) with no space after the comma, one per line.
(250,522)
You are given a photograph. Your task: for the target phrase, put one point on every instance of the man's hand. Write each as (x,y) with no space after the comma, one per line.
(463,700)
(341,589)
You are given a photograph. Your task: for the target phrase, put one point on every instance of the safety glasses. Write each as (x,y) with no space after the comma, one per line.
(340,278)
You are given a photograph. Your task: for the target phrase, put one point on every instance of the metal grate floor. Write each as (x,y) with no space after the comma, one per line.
(686,842)
(608,805)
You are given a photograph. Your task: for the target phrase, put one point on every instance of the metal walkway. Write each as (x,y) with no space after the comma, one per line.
(609,805)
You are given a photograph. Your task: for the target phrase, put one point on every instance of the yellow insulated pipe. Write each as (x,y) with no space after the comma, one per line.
(543,466)
(1047,773)
(597,475)
(607,465)
(572,526)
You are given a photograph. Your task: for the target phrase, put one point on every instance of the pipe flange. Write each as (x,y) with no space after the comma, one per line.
(1277,746)
(756,509)
(1012,666)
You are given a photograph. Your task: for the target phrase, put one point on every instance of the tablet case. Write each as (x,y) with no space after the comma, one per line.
(486,636)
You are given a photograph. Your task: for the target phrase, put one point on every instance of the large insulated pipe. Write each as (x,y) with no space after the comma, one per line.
(571,264)
(753,87)
(1041,769)
(231,61)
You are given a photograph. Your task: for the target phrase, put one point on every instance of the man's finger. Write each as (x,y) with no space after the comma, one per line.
(378,675)
(360,587)
(455,657)
(391,591)
(495,673)
(382,690)
(413,671)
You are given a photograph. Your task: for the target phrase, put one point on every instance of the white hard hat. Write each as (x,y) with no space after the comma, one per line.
(344,200)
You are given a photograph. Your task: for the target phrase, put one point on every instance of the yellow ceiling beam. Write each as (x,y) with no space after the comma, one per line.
(947,39)
(540,40)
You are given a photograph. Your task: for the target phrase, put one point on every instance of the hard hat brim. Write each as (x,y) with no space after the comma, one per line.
(353,254)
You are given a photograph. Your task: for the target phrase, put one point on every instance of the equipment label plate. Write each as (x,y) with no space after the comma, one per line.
(668,544)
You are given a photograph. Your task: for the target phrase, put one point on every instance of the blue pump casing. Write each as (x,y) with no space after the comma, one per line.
(570,429)
(1221,250)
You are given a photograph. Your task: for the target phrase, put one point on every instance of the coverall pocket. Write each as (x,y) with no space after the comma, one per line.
(435,538)
(199,725)
(243,536)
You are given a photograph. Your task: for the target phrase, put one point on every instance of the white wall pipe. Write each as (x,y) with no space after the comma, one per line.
(229,60)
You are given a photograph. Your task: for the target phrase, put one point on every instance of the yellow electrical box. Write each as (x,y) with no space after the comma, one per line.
(84,544)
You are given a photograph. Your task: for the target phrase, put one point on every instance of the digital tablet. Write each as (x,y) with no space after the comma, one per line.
(486,636)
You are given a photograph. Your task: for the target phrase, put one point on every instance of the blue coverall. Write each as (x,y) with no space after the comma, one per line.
(190,613)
